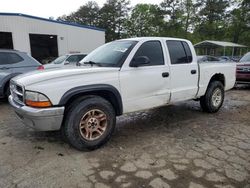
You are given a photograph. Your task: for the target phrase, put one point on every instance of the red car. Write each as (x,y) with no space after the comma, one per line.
(243,69)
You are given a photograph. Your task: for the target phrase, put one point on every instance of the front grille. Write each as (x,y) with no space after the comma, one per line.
(243,70)
(17,93)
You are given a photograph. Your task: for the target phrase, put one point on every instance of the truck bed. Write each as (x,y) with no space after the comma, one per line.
(208,69)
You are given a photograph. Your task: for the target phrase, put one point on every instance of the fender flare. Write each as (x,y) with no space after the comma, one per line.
(116,99)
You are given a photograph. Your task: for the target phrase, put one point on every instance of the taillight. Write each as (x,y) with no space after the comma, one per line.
(41,67)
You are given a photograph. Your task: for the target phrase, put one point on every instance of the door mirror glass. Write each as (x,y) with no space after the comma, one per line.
(139,61)
(66,63)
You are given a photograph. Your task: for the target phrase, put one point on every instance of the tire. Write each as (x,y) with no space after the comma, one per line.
(213,99)
(97,119)
(6,91)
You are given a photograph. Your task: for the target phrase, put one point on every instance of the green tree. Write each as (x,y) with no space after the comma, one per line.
(113,15)
(145,20)
(173,16)
(239,23)
(211,19)
(189,10)
(86,14)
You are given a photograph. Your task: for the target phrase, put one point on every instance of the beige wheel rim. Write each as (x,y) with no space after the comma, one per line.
(217,98)
(93,124)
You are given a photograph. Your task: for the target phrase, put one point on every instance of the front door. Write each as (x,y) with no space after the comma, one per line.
(146,86)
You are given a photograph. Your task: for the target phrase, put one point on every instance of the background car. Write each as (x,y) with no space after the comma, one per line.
(226,58)
(12,63)
(243,69)
(48,60)
(207,58)
(69,59)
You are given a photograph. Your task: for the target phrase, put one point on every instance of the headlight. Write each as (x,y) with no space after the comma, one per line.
(35,99)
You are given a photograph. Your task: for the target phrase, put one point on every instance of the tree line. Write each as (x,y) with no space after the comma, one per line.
(196,20)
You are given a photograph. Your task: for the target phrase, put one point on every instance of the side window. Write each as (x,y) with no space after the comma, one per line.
(179,52)
(72,59)
(9,58)
(14,58)
(153,50)
(188,52)
(3,58)
(80,57)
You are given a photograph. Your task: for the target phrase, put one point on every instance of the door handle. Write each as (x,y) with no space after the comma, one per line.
(193,71)
(165,74)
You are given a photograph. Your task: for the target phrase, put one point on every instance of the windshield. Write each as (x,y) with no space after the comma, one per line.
(60,59)
(111,54)
(245,58)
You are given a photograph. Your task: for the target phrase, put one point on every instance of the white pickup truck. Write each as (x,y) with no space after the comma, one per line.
(119,77)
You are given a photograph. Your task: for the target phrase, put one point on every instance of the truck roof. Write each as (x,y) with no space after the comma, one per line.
(8,50)
(154,38)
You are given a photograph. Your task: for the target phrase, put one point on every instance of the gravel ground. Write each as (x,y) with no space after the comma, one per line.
(174,146)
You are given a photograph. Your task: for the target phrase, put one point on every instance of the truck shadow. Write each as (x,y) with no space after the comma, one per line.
(3,101)
(242,87)
(130,127)
(181,120)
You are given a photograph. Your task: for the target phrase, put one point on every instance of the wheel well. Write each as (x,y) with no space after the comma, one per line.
(108,95)
(6,85)
(218,77)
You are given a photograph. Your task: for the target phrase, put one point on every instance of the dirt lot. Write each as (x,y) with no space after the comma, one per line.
(173,146)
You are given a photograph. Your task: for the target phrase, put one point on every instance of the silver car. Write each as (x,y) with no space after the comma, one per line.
(13,63)
(69,59)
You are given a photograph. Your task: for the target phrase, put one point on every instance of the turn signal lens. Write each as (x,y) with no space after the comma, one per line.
(38,104)
(37,100)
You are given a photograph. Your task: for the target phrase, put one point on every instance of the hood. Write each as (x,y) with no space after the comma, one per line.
(50,74)
(243,64)
(243,67)
(61,65)
(52,65)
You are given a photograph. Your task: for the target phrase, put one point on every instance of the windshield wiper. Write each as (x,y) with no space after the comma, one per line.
(92,63)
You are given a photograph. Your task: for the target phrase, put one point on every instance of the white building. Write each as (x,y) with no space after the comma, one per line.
(45,38)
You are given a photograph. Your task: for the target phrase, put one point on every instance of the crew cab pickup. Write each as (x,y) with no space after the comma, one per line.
(119,77)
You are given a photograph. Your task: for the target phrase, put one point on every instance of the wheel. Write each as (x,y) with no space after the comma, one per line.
(89,123)
(214,97)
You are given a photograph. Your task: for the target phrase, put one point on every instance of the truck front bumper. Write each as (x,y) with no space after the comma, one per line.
(40,119)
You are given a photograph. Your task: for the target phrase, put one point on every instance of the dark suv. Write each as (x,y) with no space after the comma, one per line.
(13,63)
(243,69)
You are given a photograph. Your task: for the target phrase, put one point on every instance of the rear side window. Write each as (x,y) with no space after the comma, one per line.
(80,57)
(72,59)
(188,52)
(9,58)
(179,52)
(153,50)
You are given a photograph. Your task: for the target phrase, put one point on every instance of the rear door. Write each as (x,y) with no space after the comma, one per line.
(8,61)
(21,62)
(146,86)
(183,71)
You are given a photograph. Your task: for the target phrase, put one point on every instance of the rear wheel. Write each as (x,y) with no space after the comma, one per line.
(213,99)
(89,123)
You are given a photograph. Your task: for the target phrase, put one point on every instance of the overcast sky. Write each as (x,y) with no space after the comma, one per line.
(52,8)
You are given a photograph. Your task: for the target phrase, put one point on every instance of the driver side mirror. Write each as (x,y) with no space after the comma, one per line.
(66,63)
(139,61)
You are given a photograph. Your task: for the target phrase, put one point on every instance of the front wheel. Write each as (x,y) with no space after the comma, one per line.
(213,99)
(89,123)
